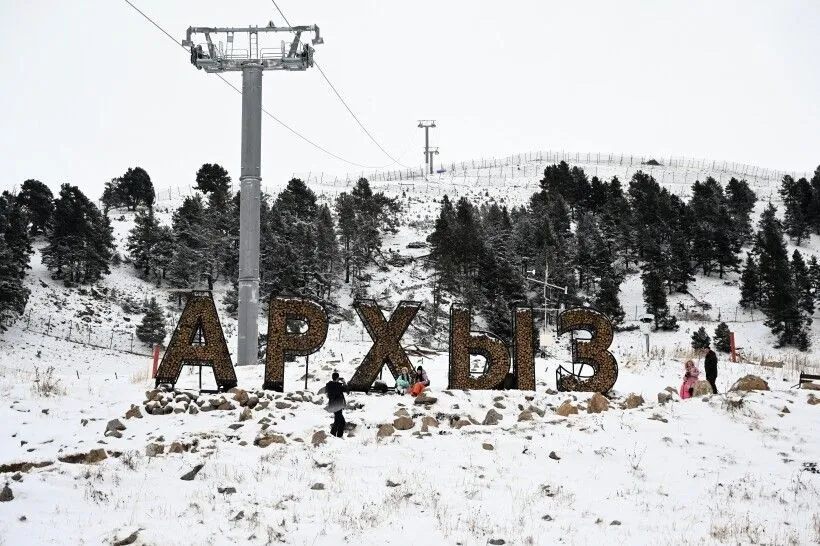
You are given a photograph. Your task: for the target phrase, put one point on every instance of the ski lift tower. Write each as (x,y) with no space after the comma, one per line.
(546,285)
(241,52)
(427,124)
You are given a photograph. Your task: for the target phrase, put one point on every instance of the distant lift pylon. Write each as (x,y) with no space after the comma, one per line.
(241,51)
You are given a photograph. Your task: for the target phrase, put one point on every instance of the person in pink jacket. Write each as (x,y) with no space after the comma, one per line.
(689,379)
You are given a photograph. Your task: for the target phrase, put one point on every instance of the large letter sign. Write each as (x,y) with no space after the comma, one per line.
(524,349)
(386,336)
(281,342)
(593,352)
(464,343)
(198,340)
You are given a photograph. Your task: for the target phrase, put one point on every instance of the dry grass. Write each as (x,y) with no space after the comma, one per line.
(46,384)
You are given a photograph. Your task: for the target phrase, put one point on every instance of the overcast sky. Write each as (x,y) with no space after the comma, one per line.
(90,88)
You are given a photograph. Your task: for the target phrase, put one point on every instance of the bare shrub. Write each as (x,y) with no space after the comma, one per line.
(45,384)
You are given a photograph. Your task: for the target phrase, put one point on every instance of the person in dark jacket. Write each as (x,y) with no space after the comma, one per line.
(710,365)
(335,389)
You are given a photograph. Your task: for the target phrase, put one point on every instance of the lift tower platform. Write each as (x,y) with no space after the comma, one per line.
(232,49)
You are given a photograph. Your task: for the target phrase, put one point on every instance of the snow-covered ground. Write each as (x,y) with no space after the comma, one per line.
(732,469)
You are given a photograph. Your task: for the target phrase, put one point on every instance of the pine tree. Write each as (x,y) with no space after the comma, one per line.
(14,256)
(142,240)
(780,302)
(750,293)
(727,243)
(37,201)
(81,243)
(722,342)
(134,188)
(796,196)
(607,300)
(802,284)
(213,179)
(814,277)
(152,328)
(654,296)
(741,202)
(189,260)
(813,209)
(700,339)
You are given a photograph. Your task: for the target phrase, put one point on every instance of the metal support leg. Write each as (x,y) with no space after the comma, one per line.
(250,182)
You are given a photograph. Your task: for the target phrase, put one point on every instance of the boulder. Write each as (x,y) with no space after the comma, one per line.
(239,395)
(632,401)
(318,486)
(812,400)
(597,403)
(492,417)
(246,415)
(525,416)
(188,476)
(459,423)
(176,447)
(95,456)
(133,412)
(282,405)
(566,409)
(423,399)
(403,423)
(488,447)
(319,438)
(664,397)
(385,431)
(535,409)
(429,421)
(265,441)
(702,388)
(154,449)
(114,424)
(750,383)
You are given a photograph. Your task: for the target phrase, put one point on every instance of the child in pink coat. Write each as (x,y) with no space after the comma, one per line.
(689,379)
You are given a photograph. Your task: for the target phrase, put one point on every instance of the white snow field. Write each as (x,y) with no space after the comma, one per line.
(737,468)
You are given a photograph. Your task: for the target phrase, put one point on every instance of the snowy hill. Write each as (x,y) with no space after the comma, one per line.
(736,468)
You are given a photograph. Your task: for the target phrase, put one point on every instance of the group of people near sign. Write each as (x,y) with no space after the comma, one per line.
(406,383)
(692,373)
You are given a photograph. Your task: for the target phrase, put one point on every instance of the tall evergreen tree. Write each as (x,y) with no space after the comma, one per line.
(81,243)
(802,284)
(142,240)
(722,342)
(796,195)
(750,292)
(741,202)
(135,188)
(37,201)
(654,296)
(213,179)
(15,249)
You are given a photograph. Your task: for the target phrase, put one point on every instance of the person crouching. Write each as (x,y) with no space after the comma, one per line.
(422,381)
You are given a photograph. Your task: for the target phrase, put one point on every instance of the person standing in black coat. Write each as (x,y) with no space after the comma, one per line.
(710,364)
(335,389)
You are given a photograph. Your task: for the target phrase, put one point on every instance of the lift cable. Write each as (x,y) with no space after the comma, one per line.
(333,88)
(274,118)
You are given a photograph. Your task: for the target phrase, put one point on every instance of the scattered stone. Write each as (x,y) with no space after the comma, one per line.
(253,400)
(535,409)
(525,416)
(318,486)
(488,447)
(632,401)
(392,484)
(554,456)
(263,404)
(176,447)
(133,412)
(193,410)
(130,539)
(546,517)
(226,490)
(17,476)
(265,441)
(656,417)
(282,405)
(785,410)
(750,383)
(423,399)
(429,421)
(671,390)
(664,397)
(114,425)
(702,388)
(95,456)
(384,431)
(499,405)
(566,409)
(113,433)
(403,423)
(239,515)
(319,438)
(615,522)
(83,422)
(459,423)
(239,395)
(597,403)
(246,415)
(188,476)
(812,400)
(497,541)
(401,413)
(492,417)
(154,449)
(6,495)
